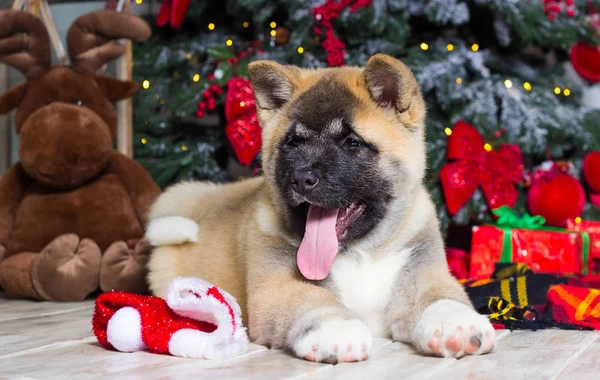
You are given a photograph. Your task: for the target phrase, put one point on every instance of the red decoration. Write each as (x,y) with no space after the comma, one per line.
(243,130)
(196,320)
(496,171)
(591,173)
(592,228)
(557,197)
(325,14)
(541,250)
(555,7)
(172,12)
(458,262)
(585,59)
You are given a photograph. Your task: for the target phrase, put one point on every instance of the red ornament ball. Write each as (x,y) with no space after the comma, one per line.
(591,170)
(200,114)
(201,106)
(585,59)
(557,199)
(207,94)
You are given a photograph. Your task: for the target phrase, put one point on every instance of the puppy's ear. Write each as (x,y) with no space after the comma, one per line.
(273,83)
(392,84)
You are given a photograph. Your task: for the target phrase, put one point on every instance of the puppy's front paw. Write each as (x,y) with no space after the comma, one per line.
(171,230)
(335,340)
(451,329)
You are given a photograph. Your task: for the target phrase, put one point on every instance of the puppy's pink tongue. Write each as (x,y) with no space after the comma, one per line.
(320,244)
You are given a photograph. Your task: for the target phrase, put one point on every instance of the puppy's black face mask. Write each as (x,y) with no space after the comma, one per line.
(323,162)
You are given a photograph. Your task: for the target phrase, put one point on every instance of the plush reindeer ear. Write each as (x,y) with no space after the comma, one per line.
(115,89)
(12,98)
(273,83)
(392,84)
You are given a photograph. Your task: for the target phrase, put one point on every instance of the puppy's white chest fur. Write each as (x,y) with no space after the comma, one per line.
(365,285)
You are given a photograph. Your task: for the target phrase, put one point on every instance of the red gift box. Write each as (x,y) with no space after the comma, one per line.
(525,240)
(592,228)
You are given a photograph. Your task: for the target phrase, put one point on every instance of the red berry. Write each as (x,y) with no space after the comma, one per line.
(261,51)
(211,106)
(214,88)
(250,49)
(570,2)
(571,12)
(232,60)
(551,16)
(242,54)
(200,114)
(218,91)
(211,77)
(207,94)
(201,106)
(255,43)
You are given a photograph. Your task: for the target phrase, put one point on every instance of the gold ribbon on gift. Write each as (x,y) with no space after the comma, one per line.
(509,220)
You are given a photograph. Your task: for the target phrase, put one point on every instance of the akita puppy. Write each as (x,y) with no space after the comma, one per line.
(339,240)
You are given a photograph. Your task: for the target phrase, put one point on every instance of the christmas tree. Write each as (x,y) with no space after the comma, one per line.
(493,71)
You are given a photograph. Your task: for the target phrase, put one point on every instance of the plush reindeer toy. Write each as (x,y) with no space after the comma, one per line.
(72,210)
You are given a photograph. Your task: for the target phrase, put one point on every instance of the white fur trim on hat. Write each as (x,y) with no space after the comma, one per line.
(189,297)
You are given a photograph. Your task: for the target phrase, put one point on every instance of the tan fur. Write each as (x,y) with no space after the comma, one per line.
(244,244)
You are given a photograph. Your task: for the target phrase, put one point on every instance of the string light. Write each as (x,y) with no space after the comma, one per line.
(557,90)
(475,47)
(487,147)
(188,56)
(229,42)
(183,147)
(300,50)
(146,84)
(459,80)
(211,26)
(527,86)
(448,131)
(578,220)
(138,2)
(242,104)
(162,101)
(450,47)
(273,24)
(144,141)
(508,83)
(246,24)
(567,92)
(273,32)
(424,46)
(317,38)
(196,77)
(175,73)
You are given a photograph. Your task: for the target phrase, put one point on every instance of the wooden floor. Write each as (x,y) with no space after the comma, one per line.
(54,341)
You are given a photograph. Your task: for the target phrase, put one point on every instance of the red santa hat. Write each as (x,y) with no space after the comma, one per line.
(197,320)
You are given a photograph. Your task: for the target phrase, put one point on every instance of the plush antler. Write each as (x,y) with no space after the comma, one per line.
(24,43)
(90,39)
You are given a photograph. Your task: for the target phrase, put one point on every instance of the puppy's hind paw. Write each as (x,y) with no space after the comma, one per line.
(171,230)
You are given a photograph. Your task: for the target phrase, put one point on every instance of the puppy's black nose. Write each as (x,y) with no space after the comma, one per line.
(304,181)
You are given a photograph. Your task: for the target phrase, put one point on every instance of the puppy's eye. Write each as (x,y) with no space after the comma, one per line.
(78,102)
(293,141)
(352,143)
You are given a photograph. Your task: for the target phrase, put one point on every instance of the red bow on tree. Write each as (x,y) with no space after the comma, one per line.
(591,172)
(242,130)
(496,171)
(173,12)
